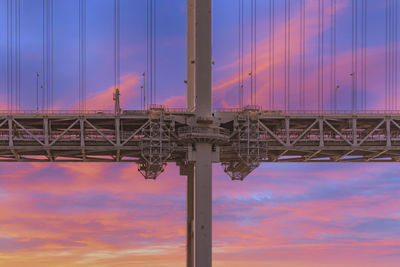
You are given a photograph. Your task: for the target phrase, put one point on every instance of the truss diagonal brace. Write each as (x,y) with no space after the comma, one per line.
(64,132)
(27,131)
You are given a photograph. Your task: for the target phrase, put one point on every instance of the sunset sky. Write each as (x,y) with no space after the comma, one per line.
(306,215)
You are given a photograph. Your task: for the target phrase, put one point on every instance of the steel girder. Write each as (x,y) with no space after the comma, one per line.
(154,138)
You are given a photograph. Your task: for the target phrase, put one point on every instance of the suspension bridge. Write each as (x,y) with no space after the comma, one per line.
(240,138)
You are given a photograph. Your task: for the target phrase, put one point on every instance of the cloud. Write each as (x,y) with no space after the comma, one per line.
(129,90)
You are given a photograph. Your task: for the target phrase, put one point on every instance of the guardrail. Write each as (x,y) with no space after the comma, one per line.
(184,110)
(203,130)
(55,112)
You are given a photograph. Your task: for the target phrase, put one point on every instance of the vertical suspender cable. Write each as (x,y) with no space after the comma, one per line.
(332,84)
(255,52)
(386,56)
(240,53)
(301,55)
(270,55)
(8,54)
(19,55)
(15,104)
(273,53)
(14,100)
(365,53)
(116,45)
(353,70)
(12,57)
(288,57)
(389,63)
(44,76)
(45,54)
(151,52)
(322,55)
(52,54)
(9,51)
(393,54)
(356,57)
(285,57)
(84,55)
(48,42)
(334,53)
(147,54)
(304,56)
(253,47)
(155,51)
(362,58)
(251,52)
(396,42)
(80,55)
(390,56)
(319,55)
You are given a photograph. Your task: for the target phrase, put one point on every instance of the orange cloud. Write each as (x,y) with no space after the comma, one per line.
(129,90)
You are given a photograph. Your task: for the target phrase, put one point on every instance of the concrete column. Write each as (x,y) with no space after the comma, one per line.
(203,59)
(203,206)
(190,217)
(190,80)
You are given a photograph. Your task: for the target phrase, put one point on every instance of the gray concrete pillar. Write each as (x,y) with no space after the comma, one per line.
(203,206)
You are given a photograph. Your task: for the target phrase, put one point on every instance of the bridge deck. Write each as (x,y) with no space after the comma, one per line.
(267,136)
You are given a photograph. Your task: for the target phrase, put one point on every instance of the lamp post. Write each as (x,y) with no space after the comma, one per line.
(42,87)
(335,97)
(37,92)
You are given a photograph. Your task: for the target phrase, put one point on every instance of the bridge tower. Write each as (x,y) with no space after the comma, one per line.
(202,151)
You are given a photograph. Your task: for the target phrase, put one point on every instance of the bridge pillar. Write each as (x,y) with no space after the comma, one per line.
(199,100)
(190,57)
(199,206)
(188,171)
(202,223)
(199,57)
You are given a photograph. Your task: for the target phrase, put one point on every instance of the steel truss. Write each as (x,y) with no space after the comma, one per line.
(244,139)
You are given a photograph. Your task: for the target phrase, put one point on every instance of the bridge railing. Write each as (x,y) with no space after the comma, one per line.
(54,112)
(184,110)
